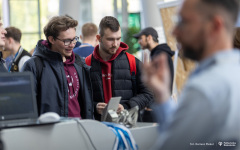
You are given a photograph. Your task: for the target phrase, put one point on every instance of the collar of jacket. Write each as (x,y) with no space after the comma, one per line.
(45,53)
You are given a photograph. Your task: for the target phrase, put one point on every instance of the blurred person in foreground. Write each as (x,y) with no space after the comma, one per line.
(89,40)
(62,79)
(2,43)
(208,110)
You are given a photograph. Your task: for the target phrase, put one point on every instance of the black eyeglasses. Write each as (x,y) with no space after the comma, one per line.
(68,41)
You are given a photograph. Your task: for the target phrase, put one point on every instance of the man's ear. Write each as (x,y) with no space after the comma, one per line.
(217,23)
(96,41)
(149,38)
(98,37)
(51,39)
(10,40)
(81,37)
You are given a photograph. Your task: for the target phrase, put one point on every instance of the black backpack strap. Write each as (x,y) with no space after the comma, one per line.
(134,83)
(39,67)
(133,71)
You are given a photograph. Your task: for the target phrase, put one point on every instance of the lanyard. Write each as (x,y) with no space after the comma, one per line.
(10,66)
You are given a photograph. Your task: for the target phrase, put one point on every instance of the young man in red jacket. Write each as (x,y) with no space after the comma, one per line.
(110,71)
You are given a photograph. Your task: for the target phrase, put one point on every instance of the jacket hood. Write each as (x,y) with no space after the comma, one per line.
(122,47)
(43,50)
(162,48)
(70,60)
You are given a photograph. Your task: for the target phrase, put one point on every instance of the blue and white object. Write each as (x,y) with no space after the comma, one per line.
(124,140)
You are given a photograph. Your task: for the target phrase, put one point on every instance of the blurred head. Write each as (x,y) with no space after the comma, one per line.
(201,22)
(146,36)
(13,37)
(2,34)
(61,34)
(89,30)
(236,40)
(109,35)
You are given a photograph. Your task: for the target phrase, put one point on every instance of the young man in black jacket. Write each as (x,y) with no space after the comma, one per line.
(62,78)
(110,71)
(2,43)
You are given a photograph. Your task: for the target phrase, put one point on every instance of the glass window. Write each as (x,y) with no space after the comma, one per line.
(24,15)
(30,16)
(49,8)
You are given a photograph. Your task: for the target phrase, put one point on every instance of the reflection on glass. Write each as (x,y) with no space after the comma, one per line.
(29,41)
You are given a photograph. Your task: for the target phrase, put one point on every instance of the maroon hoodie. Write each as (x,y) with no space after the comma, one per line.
(73,87)
(107,70)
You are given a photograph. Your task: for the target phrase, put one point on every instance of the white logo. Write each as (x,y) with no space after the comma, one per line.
(220,143)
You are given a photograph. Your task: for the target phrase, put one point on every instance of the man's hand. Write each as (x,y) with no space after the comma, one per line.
(120,108)
(100,107)
(156,76)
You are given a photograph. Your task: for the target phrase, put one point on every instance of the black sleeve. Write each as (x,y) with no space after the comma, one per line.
(144,96)
(30,66)
(171,69)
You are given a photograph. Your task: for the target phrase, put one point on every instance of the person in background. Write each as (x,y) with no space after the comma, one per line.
(110,71)
(236,40)
(77,44)
(62,79)
(8,60)
(208,108)
(89,40)
(12,43)
(148,39)
(2,43)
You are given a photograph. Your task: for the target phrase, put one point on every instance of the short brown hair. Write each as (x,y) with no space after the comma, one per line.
(14,33)
(228,9)
(58,24)
(108,22)
(89,30)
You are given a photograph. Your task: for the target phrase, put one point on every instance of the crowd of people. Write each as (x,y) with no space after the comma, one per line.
(79,81)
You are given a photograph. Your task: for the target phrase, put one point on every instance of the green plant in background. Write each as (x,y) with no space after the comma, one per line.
(130,40)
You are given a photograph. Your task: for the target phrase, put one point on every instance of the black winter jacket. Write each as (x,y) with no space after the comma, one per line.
(164,48)
(53,93)
(121,84)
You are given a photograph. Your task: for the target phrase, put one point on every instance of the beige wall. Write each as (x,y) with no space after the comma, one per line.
(185,66)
